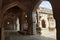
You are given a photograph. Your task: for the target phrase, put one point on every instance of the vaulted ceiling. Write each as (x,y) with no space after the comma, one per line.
(23,4)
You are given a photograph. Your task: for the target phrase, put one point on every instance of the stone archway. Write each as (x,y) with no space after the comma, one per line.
(34,11)
(13,13)
(12,4)
(56,8)
(10,17)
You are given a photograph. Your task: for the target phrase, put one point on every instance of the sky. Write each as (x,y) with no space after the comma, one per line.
(46,4)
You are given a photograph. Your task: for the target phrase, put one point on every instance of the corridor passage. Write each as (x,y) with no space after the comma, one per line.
(44,36)
(34,37)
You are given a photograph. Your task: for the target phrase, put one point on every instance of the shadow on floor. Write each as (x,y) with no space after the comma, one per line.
(27,37)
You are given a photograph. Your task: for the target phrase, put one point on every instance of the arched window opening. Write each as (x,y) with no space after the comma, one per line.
(45,11)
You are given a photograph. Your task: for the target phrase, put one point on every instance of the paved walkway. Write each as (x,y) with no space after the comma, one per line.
(34,37)
(50,34)
(43,36)
(31,37)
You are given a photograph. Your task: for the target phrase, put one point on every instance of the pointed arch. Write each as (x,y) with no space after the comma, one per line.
(46,4)
(8,6)
(39,2)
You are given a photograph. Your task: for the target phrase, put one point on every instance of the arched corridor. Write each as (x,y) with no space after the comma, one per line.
(10,18)
(23,11)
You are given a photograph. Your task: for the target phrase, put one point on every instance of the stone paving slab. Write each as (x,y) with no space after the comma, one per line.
(34,37)
(17,36)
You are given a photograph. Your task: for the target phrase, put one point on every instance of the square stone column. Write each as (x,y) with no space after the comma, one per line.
(34,22)
(30,23)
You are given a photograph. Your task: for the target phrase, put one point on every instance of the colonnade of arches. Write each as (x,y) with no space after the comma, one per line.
(10,19)
(28,11)
(10,24)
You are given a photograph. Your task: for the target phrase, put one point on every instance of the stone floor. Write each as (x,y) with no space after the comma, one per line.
(34,37)
(50,34)
(43,36)
(28,37)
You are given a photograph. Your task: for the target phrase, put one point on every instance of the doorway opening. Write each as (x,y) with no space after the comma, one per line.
(43,24)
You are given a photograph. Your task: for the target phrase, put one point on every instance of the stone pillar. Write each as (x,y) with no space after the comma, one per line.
(56,13)
(2,34)
(22,21)
(1,20)
(58,29)
(34,22)
(18,25)
(30,23)
(22,25)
